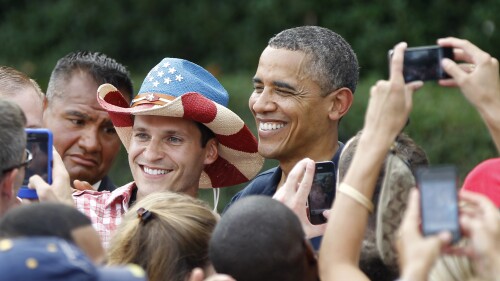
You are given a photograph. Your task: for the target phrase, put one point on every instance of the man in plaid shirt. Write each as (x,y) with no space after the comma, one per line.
(180,137)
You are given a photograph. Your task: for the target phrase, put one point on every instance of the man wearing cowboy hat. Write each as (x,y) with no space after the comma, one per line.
(179,135)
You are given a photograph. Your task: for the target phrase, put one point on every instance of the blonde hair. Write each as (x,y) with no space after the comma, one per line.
(169,243)
(454,268)
(13,80)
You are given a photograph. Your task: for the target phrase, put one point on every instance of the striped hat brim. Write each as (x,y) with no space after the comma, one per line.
(238,161)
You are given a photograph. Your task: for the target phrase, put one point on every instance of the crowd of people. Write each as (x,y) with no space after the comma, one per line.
(181,136)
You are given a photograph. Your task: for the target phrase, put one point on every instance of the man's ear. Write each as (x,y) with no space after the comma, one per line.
(212,151)
(7,189)
(340,101)
(45,103)
(311,261)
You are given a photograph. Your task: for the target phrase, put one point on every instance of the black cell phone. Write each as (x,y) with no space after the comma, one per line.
(424,63)
(39,143)
(439,200)
(322,191)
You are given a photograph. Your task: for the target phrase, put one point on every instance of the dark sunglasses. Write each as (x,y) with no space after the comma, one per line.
(25,163)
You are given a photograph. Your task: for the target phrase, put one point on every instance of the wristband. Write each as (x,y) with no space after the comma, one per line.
(356,196)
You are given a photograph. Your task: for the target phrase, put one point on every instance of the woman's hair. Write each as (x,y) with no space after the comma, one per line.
(168,239)
(452,268)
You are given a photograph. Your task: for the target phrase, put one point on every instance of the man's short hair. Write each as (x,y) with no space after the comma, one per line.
(12,135)
(259,238)
(13,81)
(100,67)
(332,61)
(43,219)
(206,134)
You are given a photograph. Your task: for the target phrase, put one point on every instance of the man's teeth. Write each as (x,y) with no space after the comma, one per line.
(270,126)
(155,171)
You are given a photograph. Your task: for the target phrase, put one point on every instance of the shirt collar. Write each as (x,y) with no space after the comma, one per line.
(122,194)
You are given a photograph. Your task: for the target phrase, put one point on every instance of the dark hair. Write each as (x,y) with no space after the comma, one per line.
(12,135)
(100,67)
(42,219)
(332,61)
(259,238)
(206,134)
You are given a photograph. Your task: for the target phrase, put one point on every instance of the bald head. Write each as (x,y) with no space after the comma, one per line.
(259,238)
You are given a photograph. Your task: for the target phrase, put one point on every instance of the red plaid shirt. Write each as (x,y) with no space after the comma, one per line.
(104,208)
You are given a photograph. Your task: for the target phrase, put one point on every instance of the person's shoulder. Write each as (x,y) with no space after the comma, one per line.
(263,184)
(261,181)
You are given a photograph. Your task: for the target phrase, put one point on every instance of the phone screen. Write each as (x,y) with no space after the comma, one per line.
(322,191)
(39,143)
(439,206)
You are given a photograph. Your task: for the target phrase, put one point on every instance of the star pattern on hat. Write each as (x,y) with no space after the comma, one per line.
(163,75)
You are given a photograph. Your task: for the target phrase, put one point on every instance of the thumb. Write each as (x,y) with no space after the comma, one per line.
(196,275)
(452,69)
(82,185)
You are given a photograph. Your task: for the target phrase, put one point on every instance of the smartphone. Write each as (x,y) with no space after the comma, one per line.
(439,200)
(424,63)
(322,191)
(39,143)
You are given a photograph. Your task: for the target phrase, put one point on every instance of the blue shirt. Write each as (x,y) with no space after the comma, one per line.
(267,182)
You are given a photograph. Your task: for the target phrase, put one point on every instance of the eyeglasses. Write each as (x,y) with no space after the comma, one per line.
(25,163)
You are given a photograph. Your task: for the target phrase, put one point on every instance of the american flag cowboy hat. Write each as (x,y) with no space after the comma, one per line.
(179,88)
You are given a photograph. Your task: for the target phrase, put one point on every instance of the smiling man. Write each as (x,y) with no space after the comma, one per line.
(303,86)
(180,137)
(84,135)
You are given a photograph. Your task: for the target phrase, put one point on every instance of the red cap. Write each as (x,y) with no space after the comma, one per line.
(485,179)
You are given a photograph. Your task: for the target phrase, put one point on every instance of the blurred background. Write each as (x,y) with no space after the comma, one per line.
(227,38)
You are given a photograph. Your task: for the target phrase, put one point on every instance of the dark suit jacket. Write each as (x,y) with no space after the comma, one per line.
(106,184)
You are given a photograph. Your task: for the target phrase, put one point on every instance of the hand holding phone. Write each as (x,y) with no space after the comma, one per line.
(439,200)
(39,143)
(322,191)
(424,63)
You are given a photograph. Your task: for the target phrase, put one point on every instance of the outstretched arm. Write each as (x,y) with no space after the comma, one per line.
(388,109)
(478,80)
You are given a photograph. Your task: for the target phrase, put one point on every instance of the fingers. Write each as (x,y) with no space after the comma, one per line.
(415,85)
(477,55)
(444,238)
(412,215)
(477,199)
(453,69)
(36,182)
(82,185)
(397,62)
(326,214)
(59,170)
(298,182)
(305,184)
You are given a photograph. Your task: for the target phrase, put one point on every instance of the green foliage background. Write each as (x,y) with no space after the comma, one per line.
(227,36)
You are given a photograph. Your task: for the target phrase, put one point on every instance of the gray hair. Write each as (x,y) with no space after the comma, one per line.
(12,135)
(98,66)
(333,63)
